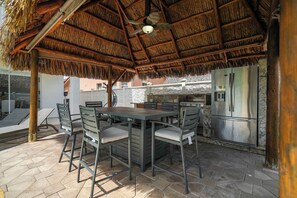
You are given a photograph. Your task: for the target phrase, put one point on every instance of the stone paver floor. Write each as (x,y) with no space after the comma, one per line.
(32,170)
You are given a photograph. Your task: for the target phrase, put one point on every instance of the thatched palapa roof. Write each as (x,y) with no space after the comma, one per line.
(205,34)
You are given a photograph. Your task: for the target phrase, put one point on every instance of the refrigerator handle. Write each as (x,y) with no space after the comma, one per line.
(233,92)
(230,92)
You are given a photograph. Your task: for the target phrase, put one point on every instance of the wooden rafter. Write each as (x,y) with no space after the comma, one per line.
(139,41)
(78,29)
(49,6)
(75,58)
(125,32)
(171,34)
(108,9)
(29,33)
(103,21)
(219,28)
(261,55)
(254,16)
(71,45)
(200,55)
(227,4)
(118,78)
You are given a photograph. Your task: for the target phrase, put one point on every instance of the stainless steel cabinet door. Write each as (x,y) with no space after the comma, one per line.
(221,83)
(244,92)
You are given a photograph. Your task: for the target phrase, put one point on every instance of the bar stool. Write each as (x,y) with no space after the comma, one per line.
(178,136)
(93,135)
(71,127)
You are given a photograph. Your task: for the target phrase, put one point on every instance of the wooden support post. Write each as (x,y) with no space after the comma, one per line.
(272,124)
(109,87)
(288,100)
(33,96)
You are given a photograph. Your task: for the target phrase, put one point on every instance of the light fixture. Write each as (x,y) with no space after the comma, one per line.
(63,14)
(147,29)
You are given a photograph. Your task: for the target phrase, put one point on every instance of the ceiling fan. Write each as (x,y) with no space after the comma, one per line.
(150,24)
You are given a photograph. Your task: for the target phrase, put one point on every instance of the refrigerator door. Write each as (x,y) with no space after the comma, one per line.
(235,130)
(221,92)
(244,92)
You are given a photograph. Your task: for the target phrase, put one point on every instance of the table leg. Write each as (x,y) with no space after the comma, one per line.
(142,145)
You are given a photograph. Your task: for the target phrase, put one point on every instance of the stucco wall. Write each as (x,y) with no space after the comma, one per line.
(51,91)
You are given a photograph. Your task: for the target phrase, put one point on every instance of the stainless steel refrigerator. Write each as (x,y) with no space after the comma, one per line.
(234,104)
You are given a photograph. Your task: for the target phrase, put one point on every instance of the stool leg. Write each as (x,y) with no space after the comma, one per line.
(129,151)
(153,149)
(83,144)
(95,172)
(110,150)
(72,152)
(64,147)
(198,163)
(171,154)
(184,168)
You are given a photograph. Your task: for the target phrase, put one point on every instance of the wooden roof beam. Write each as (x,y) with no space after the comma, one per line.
(49,6)
(103,21)
(199,55)
(118,78)
(108,9)
(94,35)
(219,28)
(227,4)
(254,16)
(137,37)
(171,34)
(81,48)
(125,32)
(261,55)
(81,59)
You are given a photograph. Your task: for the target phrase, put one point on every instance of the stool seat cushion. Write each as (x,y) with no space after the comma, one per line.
(113,134)
(172,133)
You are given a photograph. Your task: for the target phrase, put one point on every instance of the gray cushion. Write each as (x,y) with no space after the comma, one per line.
(113,134)
(172,133)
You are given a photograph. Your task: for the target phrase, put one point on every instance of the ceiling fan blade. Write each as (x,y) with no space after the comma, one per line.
(163,26)
(135,32)
(134,22)
(153,18)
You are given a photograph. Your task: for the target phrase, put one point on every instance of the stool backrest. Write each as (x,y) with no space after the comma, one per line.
(150,105)
(65,117)
(170,106)
(191,119)
(89,121)
(93,103)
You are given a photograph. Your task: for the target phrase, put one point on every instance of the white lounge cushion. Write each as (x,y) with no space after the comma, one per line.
(113,134)
(172,133)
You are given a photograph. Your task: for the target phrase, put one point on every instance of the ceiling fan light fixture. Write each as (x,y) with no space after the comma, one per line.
(147,29)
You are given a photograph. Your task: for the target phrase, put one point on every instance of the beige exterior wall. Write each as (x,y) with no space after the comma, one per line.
(91,84)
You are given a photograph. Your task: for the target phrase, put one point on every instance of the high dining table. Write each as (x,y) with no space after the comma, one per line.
(143,115)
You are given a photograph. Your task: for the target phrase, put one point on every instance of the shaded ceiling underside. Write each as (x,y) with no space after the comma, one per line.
(205,34)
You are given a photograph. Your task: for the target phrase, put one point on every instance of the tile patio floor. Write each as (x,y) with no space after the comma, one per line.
(32,170)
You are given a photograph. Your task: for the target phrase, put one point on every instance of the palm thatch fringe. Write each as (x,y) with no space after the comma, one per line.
(18,15)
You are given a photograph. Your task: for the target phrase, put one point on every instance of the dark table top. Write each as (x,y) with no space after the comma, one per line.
(136,113)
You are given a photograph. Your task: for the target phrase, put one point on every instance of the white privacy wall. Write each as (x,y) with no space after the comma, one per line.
(51,91)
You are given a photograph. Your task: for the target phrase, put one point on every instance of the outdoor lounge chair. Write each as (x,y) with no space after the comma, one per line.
(71,127)
(42,117)
(178,136)
(15,117)
(93,135)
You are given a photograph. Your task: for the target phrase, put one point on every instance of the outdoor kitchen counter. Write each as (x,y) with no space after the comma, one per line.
(143,139)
